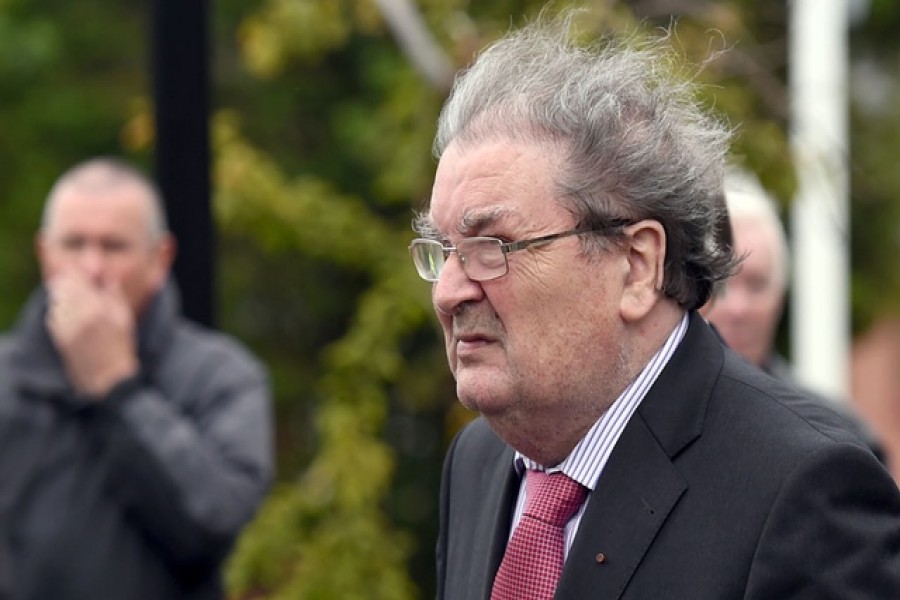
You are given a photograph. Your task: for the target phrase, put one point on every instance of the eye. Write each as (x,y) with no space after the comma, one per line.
(114,246)
(497,235)
(757,284)
(72,243)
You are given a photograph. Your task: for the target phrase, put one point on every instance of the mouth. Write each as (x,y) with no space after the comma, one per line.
(473,336)
(467,343)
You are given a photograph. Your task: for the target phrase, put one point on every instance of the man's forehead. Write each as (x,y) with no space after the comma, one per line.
(118,191)
(490,181)
(102,185)
(77,206)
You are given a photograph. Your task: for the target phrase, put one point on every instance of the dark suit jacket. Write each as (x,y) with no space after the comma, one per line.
(724,484)
(778,367)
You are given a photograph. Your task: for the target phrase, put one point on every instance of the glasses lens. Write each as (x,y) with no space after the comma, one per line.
(428,256)
(484,258)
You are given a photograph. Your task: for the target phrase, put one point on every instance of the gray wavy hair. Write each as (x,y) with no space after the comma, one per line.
(634,139)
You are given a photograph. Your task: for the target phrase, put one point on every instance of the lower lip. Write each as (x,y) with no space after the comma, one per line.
(466,347)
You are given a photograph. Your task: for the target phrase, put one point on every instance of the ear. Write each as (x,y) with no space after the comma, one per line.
(646,255)
(165,256)
(40,252)
(39,245)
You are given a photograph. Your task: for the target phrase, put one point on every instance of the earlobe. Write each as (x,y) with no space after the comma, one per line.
(39,245)
(164,259)
(40,251)
(168,249)
(646,255)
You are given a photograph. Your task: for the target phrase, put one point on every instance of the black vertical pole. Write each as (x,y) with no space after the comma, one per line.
(181,101)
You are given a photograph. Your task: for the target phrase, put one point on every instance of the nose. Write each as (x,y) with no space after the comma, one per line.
(91,261)
(454,288)
(736,302)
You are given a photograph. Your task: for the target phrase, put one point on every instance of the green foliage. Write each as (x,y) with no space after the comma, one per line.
(63,96)
(333,511)
(326,534)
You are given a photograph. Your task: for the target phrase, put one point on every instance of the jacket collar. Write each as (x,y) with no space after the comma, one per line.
(675,407)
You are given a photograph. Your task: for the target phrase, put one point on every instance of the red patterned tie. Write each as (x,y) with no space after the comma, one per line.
(534,556)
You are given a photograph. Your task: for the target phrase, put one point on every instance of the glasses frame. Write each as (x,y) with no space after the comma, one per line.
(505,247)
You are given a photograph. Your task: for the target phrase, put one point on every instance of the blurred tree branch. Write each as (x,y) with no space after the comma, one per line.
(417,43)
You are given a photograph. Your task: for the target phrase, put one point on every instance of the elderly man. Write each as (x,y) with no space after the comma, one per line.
(134,445)
(747,310)
(623,451)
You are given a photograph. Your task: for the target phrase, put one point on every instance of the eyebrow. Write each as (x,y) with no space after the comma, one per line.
(471,221)
(478,218)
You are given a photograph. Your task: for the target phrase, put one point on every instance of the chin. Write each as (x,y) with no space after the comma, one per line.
(469,403)
(486,402)
(482,387)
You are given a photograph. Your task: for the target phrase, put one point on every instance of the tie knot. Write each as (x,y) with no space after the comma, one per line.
(552,498)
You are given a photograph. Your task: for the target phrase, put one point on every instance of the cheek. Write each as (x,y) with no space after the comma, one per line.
(447,328)
(552,319)
(55,261)
(735,303)
(50,266)
(446,324)
(122,273)
(138,278)
(761,309)
(772,304)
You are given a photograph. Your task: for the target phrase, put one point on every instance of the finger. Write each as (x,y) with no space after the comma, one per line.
(62,287)
(113,287)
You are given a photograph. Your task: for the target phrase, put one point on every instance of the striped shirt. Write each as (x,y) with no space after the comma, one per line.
(586,461)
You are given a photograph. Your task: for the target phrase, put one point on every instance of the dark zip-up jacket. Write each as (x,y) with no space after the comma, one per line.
(140,495)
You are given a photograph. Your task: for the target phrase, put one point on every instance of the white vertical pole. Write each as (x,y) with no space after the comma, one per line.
(820,307)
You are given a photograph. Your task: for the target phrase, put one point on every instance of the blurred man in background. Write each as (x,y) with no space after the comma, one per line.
(748,307)
(134,445)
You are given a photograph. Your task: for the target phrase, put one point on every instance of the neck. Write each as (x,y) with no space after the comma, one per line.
(548,448)
(549,436)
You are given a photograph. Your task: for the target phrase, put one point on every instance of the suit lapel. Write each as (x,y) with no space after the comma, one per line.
(484,486)
(635,495)
(640,485)
(499,504)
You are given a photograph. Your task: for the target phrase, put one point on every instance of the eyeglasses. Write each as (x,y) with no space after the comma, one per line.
(484,258)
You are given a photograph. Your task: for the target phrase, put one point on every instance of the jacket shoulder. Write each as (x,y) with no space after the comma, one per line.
(802,420)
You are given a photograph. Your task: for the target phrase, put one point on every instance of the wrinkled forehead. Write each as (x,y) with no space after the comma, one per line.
(130,200)
(491,184)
